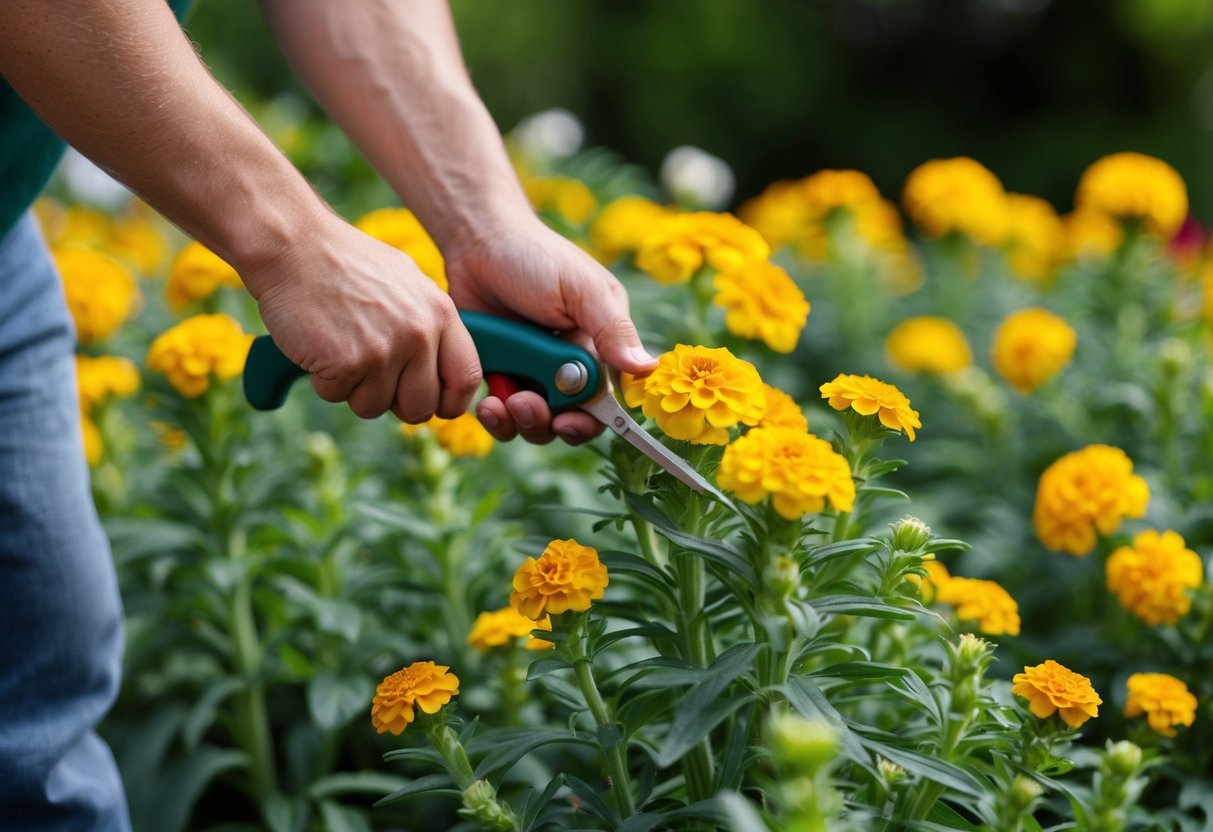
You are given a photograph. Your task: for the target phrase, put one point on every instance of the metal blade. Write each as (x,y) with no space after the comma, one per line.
(607,410)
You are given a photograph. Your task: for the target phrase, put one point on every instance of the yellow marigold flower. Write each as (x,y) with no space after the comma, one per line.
(1151,578)
(782,411)
(136,238)
(928,344)
(462,436)
(828,190)
(682,244)
(77,225)
(424,685)
(567,576)
(1165,700)
(879,225)
(1031,346)
(195,274)
(1135,186)
(762,303)
(1052,688)
(93,444)
(780,213)
(1089,234)
(100,291)
(959,195)
(1035,239)
(622,225)
(798,471)
(197,348)
(500,627)
(698,393)
(570,198)
(928,586)
(99,378)
(984,602)
(868,396)
(400,229)
(1083,492)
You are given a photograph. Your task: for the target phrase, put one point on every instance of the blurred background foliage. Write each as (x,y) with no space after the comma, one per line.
(1035,89)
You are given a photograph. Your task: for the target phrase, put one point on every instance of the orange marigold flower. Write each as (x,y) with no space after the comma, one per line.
(682,244)
(400,229)
(1151,579)
(958,195)
(501,627)
(763,303)
(567,576)
(928,344)
(1086,491)
(1135,186)
(462,436)
(928,585)
(422,684)
(828,190)
(868,396)
(197,348)
(100,291)
(1035,239)
(1165,700)
(798,471)
(1053,688)
(622,225)
(780,213)
(1089,234)
(1031,346)
(782,411)
(984,602)
(99,378)
(698,393)
(195,274)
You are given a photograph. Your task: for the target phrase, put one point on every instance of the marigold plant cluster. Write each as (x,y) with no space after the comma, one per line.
(549,637)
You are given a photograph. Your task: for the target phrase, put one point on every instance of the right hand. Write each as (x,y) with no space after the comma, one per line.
(371,329)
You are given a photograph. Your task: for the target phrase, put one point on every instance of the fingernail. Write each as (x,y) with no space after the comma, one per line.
(488,419)
(639,355)
(568,432)
(524,415)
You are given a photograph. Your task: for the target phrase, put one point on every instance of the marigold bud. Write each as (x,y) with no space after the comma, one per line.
(480,805)
(805,746)
(1024,792)
(910,534)
(1122,759)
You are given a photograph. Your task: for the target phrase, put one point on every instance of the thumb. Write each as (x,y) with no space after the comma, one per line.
(602,312)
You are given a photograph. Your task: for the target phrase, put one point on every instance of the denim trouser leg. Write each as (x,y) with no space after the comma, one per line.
(60,615)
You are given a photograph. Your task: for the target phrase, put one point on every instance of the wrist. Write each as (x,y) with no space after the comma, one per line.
(486,221)
(267,235)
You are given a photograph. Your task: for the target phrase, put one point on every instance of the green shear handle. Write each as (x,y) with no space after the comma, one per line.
(563,373)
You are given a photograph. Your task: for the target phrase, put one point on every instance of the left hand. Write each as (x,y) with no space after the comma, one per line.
(527,271)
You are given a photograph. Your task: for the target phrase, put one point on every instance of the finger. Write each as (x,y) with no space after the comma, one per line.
(496,419)
(531,416)
(576,427)
(336,387)
(458,369)
(373,396)
(600,309)
(418,390)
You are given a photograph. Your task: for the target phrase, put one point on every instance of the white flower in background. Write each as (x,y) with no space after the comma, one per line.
(697,178)
(551,134)
(90,183)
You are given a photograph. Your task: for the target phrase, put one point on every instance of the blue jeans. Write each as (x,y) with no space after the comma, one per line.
(60,614)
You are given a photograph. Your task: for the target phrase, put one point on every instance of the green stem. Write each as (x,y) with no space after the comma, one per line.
(620,784)
(250,701)
(646,537)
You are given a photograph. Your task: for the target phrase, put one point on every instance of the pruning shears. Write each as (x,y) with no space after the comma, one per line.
(514,356)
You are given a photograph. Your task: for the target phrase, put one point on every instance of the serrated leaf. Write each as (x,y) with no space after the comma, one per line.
(436,784)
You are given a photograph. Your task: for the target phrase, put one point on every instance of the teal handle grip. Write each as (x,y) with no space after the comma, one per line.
(522,351)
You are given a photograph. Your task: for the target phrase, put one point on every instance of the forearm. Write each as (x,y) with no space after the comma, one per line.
(392,75)
(120,82)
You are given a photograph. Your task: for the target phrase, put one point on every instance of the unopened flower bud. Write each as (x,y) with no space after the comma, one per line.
(805,746)
(1024,793)
(971,653)
(480,805)
(890,772)
(781,576)
(910,534)
(1175,355)
(1123,759)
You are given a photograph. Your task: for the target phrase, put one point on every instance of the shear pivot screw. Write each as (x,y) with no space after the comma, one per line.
(571,378)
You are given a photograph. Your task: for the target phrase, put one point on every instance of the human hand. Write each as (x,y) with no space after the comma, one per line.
(525,270)
(372,330)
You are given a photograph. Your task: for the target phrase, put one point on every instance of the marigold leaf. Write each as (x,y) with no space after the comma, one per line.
(923,765)
(544,666)
(433,784)
(399,519)
(517,745)
(818,555)
(593,804)
(948,818)
(859,605)
(202,714)
(943,544)
(355,782)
